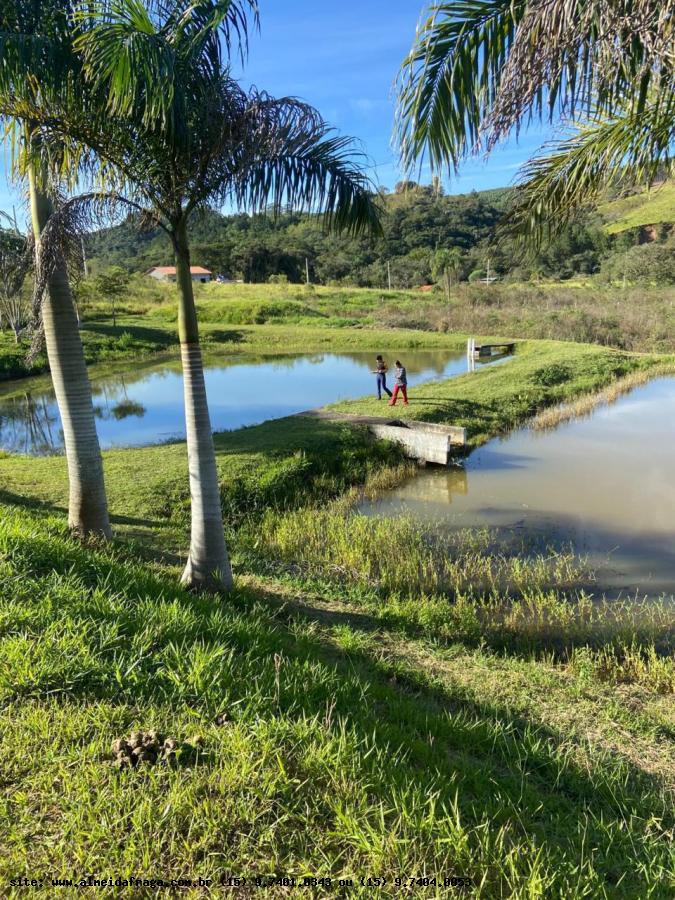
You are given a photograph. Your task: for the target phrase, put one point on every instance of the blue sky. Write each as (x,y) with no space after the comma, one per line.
(343,58)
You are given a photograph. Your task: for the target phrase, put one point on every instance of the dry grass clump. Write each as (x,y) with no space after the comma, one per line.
(627,664)
(586,404)
(637,319)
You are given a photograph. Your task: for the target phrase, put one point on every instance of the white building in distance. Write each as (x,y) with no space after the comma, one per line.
(168,273)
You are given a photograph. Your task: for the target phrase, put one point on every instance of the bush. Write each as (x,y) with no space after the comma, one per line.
(654,263)
(552,375)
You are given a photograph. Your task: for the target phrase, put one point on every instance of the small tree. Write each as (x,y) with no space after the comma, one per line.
(37,64)
(111,284)
(171,133)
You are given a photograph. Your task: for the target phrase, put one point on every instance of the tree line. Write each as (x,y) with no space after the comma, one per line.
(427,237)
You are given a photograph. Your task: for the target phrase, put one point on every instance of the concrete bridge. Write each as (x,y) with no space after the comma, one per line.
(424,441)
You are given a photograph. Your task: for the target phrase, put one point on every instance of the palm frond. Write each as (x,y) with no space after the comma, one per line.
(61,241)
(160,120)
(450,78)
(479,69)
(215,19)
(123,48)
(35,58)
(314,176)
(143,51)
(578,170)
(289,157)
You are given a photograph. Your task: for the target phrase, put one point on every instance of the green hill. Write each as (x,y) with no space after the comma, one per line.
(417,222)
(653,207)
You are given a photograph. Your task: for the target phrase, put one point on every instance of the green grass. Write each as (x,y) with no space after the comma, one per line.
(295,461)
(351,750)
(638,210)
(453,710)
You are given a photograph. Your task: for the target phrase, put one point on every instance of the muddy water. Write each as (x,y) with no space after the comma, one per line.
(604,484)
(144,404)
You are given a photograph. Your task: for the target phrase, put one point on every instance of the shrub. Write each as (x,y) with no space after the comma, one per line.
(552,375)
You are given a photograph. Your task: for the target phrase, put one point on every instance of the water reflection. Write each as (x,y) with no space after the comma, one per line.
(442,486)
(112,407)
(30,424)
(144,405)
(604,484)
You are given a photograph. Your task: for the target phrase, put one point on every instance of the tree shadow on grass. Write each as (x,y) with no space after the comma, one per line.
(146,334)
(48,508)
(222,336)
(259,657)
(31,503)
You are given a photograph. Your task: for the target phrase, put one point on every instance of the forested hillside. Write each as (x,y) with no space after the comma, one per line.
(428,237)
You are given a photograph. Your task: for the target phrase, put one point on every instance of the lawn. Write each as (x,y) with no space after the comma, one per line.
(351,712)
(329,745)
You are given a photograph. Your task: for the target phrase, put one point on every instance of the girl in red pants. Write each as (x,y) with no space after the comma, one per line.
(401,384)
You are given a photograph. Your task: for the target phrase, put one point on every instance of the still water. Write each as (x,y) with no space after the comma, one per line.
(604,484)
(144,405)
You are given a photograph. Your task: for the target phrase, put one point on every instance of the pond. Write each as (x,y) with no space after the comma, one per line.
(144,404)
(605,485)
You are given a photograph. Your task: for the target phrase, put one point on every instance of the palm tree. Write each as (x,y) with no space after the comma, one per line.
(447,262)
(36,61)
(482,69)
(175,134)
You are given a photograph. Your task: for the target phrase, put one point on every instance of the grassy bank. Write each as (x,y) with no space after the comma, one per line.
(348,750)
(289,487)
(499,397)
(295,462)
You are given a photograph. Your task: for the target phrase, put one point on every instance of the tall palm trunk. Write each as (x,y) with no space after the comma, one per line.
(87,505)
(208,565)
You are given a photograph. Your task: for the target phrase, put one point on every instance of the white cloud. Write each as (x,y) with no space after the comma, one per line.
(363,105)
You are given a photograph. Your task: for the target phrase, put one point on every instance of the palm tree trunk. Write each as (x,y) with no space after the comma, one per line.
(87,505)
(208,565)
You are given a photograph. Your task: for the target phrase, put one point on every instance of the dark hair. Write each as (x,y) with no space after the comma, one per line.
(398,362)
(379,356)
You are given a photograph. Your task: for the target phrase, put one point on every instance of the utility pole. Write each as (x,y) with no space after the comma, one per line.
(307,269)
(389,272)
(487,277)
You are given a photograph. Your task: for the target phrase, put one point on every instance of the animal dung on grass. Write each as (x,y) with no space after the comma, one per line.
(149,748)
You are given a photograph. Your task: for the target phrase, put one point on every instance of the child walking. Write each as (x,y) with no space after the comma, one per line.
(381,372)
(401,385)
